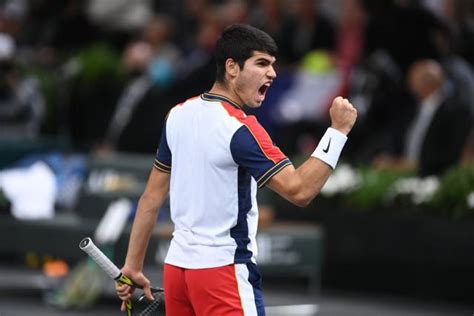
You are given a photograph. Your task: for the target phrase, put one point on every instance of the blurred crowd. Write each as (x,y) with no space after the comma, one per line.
(104,73)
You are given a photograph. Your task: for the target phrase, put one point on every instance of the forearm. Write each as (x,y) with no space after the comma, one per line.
(155,194)
(300,186)
(313,174)
(145,219)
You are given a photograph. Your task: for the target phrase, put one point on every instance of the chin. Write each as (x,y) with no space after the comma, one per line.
(254,105)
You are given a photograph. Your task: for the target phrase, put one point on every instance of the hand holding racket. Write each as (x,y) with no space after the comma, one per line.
(125,290)
(143,306)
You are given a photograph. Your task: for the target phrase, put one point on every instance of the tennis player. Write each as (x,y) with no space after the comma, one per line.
(212,158)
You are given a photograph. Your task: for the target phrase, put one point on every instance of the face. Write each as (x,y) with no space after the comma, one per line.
(250,84)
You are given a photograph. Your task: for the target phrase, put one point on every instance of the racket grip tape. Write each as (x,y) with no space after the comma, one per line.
(108,266)
(102,260)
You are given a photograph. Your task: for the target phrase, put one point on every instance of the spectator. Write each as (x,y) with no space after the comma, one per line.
(164,64)
(136,58)
(397,34)
(406,30)
(459,14)
(152,66)
(188,14)
(439,130)
(268,16)
(140,134)
(51,31)
(306,29)
(120,16)
(21,102)
(385,106)
(350,38)
(232,11)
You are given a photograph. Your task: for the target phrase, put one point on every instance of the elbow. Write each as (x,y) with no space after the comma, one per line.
(301,201)
(298,193)
(300,198)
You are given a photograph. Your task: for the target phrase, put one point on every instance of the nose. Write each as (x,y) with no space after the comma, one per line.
(271,72)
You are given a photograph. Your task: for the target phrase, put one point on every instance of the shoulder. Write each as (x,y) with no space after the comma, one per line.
(183,104)
(250,121)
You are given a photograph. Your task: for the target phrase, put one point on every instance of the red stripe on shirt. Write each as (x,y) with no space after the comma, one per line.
(261,136)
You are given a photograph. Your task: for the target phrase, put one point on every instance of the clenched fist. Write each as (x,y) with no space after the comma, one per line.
(343,115)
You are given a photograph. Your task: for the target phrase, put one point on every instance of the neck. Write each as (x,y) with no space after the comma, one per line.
(225,91)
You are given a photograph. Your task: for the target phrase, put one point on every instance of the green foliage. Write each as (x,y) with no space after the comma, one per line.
(375,192)
(451,196)
(49,85)
(92,67)
(374,185)
(99,62)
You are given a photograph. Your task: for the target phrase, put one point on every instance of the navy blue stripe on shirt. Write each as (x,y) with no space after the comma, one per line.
(219,98)
(158,165)
(273,171)
(163,155)
(240,232)
(247,153)
(255,279)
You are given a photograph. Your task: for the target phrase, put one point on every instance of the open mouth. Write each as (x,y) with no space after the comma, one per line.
(263,89)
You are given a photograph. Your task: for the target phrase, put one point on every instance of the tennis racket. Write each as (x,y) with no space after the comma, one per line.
(142,306)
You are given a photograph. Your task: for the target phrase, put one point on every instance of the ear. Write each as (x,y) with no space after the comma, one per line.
(231,67)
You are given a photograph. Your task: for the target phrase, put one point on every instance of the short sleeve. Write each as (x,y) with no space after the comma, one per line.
(163,154)
(252,148)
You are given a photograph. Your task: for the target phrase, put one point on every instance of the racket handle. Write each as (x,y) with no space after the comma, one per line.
(100,258)
(108,266)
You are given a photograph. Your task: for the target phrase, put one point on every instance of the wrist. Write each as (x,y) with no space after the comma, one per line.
(342,130)
(330,147)
(133,266)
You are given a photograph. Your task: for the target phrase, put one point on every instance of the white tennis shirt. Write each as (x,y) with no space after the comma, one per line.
(217,156)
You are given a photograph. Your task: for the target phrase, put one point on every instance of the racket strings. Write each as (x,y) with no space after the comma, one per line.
(152,308)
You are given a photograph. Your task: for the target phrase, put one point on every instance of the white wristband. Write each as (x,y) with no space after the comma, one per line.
(330,147)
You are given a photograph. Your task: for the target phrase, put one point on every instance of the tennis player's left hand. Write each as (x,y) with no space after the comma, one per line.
(343,115)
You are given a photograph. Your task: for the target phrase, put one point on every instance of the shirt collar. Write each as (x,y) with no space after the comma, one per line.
(432,102)
(218,97)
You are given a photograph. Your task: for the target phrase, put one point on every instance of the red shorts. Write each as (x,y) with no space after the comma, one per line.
(233,290)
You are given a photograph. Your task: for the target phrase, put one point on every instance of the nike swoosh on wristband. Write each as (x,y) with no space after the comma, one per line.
(327,148)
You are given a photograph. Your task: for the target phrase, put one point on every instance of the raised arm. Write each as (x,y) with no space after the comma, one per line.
(301,185)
